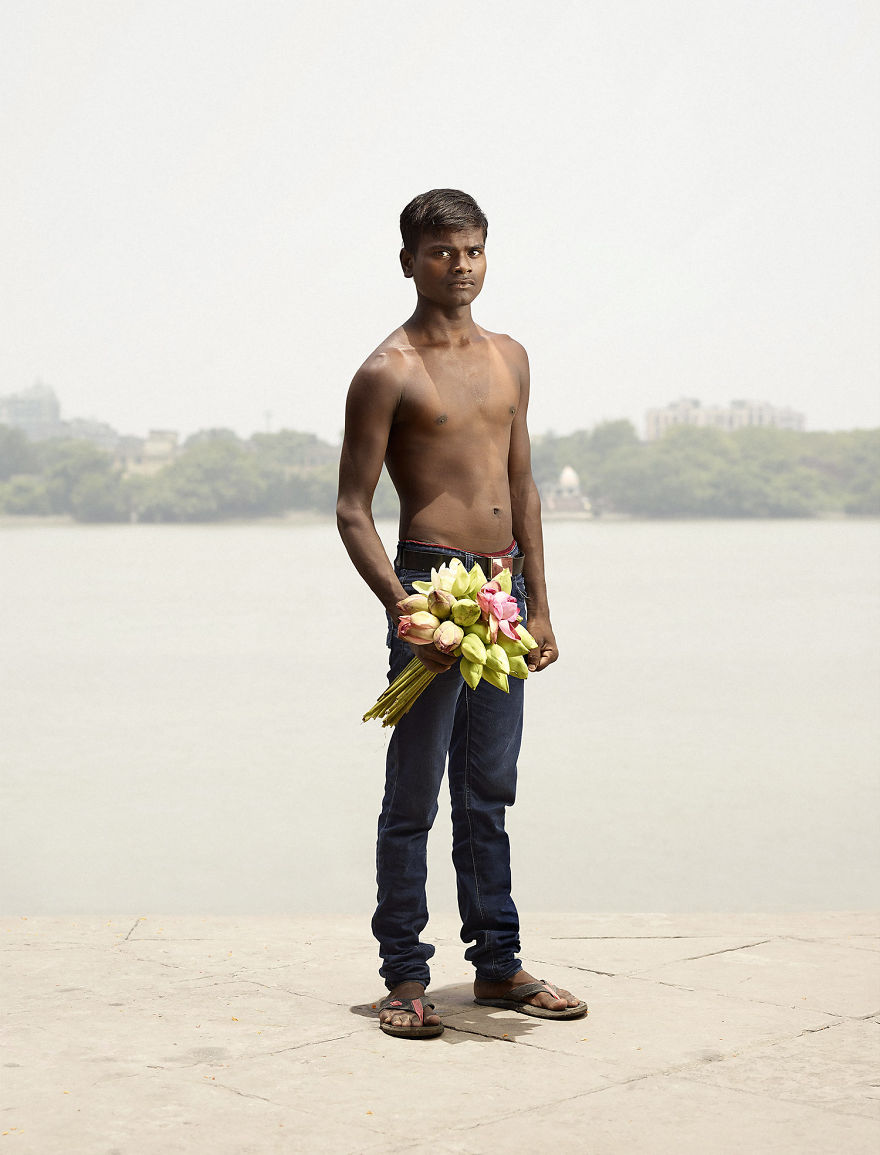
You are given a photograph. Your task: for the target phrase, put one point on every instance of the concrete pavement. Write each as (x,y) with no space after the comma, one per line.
(707,1034)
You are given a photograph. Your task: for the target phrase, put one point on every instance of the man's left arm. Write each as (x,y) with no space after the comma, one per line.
(525,506)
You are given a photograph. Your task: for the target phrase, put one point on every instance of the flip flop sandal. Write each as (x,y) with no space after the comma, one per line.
(412,1007)
(515,1001)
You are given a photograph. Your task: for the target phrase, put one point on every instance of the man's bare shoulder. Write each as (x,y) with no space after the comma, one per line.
(511,350)
(390,363)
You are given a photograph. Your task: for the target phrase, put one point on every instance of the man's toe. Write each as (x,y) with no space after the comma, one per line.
(557,1002)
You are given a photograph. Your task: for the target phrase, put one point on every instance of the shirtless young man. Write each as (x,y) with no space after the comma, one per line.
(443,403)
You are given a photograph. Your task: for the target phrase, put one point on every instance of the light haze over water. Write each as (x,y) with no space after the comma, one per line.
(199,206)
(181,721)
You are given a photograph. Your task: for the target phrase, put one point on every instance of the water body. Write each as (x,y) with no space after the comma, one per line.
(181,732)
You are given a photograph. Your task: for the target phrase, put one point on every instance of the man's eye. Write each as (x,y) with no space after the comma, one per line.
(476,253)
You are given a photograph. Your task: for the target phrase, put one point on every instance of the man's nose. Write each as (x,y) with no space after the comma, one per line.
(463,264)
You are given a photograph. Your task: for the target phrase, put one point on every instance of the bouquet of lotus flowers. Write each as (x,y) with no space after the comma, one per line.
(459,612)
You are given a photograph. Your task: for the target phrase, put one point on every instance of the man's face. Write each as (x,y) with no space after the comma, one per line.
(448,268)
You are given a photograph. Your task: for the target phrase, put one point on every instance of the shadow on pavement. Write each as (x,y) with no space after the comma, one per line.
(464,1020)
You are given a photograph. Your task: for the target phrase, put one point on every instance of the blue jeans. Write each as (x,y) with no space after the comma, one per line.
(480,731)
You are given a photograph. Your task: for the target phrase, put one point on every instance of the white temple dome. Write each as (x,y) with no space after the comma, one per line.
(569,480)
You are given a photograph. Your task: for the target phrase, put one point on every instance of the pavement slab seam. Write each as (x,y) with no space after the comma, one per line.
(242,1094)
(612,1084)
(644,978)
(826,1108)
(160,962)
(752,1051)
(636,971)
(680,1070)
(646,1079)
(316,1042)
(726,950)
(622,937)
(573,967)
(300,994)
(823,938)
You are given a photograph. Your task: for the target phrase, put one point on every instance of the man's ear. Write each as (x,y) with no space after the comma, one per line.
(406,263)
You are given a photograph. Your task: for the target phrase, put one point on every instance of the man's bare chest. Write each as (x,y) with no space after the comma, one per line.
(447,391)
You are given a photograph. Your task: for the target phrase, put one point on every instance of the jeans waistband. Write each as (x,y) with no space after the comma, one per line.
(424,556)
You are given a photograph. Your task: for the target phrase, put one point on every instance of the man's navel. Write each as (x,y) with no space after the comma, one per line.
(441,420)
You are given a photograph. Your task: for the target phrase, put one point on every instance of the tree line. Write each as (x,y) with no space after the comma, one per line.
(697,472)
(690,472)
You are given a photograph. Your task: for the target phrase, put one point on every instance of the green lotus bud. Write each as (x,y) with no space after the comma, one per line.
(504,579)
(460,581)
(496,678)
(476,580)
(471,672)
(465,611)
(526,637)
(480,630)
(518,667)
(473,649)
(510,647)
(496,659)
(440,602)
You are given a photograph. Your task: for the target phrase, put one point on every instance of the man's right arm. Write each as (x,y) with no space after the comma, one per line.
(372,403)
(373,398)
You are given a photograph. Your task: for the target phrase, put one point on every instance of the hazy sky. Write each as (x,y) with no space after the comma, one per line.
(199,200)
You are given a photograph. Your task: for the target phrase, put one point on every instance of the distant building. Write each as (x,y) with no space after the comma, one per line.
(137,455)
(737,415)
(35,411)
(565,496)
(87,429)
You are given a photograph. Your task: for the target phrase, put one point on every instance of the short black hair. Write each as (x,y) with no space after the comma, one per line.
(440,210)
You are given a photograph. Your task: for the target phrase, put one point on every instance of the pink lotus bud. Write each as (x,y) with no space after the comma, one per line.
(418,627)
(413,603)
(440,602)
(447,637)
(485,596)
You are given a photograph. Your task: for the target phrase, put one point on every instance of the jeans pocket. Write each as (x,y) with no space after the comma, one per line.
(518,589)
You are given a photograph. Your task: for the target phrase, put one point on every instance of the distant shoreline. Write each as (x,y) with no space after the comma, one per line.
(307,517)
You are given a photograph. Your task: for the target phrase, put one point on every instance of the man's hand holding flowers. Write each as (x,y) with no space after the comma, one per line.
(546,650)
(459,614)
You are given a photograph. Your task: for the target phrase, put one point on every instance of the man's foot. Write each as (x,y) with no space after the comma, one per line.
(529,996)
(412,1017)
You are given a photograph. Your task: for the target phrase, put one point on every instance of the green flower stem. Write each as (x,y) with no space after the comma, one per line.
(401,694)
